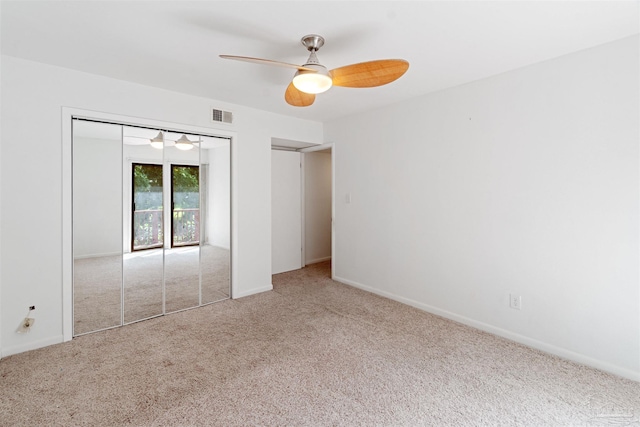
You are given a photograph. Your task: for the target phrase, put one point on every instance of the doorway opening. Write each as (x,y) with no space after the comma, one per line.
(301,204)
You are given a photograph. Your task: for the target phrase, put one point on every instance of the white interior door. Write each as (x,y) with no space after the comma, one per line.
(286,211)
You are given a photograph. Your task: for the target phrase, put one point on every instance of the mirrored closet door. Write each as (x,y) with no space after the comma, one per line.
(97,226)
(151,225)
(215,204)
(143,229)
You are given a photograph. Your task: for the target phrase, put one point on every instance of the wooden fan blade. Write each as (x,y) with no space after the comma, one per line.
(297,98)
(266,62)
(369,74)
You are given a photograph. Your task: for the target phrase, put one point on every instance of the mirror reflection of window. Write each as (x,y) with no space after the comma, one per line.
(147,229)
(185,194)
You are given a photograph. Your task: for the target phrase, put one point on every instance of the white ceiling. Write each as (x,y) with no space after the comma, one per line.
(175,44)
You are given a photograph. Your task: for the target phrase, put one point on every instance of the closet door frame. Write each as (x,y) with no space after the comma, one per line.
(70,113)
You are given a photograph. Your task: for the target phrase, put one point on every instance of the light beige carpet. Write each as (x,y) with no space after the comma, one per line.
(98,284)
(310,353)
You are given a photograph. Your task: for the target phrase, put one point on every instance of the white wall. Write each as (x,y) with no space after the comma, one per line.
(219,197)
(317,206)
(97,220)
(33,95)
(524,183)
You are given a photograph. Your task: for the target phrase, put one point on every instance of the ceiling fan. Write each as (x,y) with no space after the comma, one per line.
(312,77)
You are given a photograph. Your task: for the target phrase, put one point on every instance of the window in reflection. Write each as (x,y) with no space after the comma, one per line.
(147,207)
(185,205)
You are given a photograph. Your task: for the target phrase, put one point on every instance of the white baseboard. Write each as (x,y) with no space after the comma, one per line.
(252,291)
(96,255)
(530,342)
(226,248)
(317,260)
(33,345)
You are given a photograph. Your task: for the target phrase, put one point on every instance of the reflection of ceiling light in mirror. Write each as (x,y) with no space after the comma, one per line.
(158,141)
(183,143)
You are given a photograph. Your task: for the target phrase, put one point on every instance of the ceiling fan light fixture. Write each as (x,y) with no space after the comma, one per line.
(184,143)
(158,141)
(313,78)
(313,82)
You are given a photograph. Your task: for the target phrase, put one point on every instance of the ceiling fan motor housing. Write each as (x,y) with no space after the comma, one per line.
(312,42)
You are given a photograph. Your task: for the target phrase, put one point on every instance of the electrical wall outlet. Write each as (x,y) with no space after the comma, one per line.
(26,325)
(27,322)
(515,301)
